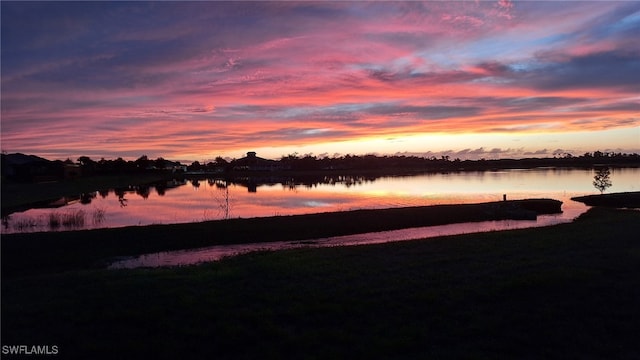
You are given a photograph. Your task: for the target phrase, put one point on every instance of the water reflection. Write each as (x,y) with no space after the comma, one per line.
(200,199)
(215,253)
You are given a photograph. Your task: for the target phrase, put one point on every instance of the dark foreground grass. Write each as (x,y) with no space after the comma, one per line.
(570,291)
(56,251)
(616,200)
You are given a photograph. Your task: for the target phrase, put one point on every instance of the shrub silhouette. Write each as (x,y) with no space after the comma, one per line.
(601,180)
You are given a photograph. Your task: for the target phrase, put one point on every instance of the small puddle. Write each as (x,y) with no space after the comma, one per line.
(215,253)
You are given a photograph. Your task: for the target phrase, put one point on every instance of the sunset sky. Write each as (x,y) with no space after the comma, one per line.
(195,80)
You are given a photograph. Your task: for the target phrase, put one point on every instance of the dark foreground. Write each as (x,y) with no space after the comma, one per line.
(615,200)
(567,291)
(58,251)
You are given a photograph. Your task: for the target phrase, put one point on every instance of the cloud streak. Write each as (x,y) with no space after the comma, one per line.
(200,79)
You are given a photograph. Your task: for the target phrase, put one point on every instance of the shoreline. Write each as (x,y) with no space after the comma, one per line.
(188,257)
(616,200)
(67,250)
(25,253)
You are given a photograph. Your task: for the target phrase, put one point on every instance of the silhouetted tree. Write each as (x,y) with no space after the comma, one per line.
(601,179)
(142,162)
(160,163)
(85,160)
(221,161)
(119,164)
(87,165)
(195,166)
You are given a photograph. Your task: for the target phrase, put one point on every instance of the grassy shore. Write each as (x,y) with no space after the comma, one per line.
(616,200)
(57,251)
(567,291)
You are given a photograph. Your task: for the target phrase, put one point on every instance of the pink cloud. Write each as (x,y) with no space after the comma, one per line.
(353,69)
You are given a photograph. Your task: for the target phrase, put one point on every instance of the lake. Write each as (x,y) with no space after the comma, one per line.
(181,201)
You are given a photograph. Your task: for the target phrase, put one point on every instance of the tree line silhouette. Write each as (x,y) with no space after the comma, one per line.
(369,162)
(31,167)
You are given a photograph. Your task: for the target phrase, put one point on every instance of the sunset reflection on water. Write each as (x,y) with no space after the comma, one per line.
(201,200)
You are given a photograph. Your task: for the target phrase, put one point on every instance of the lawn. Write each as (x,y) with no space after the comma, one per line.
(567,291)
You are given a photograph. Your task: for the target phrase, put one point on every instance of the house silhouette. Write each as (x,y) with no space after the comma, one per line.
(252,162)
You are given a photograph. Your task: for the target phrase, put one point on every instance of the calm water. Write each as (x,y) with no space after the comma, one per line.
(193,200)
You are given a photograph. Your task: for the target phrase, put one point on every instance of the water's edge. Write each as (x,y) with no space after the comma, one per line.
(218,252)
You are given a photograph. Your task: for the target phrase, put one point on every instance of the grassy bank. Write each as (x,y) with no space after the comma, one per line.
(617,200)
(58,251)
(567,291)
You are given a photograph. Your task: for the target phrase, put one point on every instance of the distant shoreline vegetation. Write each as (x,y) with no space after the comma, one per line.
(19,167)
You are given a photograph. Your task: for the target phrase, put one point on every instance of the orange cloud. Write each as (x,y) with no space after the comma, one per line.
(209,78)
